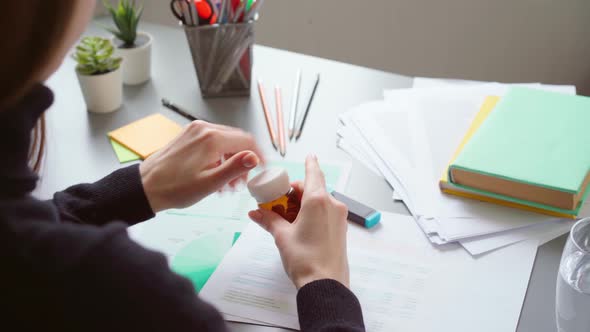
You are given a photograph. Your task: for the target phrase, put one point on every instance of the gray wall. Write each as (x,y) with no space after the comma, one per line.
(504,40)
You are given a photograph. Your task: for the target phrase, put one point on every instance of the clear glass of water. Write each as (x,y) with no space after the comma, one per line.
(573,281)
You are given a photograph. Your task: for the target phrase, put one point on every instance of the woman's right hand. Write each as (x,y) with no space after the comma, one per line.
(313,247)
(190,167)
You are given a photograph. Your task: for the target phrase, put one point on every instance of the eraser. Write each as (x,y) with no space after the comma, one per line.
(358,212)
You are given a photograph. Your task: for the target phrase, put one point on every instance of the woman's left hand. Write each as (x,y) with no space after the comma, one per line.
(190,167)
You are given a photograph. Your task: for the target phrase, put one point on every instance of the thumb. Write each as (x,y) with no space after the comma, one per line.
(239,164)
(269,220)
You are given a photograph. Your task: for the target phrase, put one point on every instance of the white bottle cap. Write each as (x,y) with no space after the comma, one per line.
(269,185)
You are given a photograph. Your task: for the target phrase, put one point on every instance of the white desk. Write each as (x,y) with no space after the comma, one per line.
(78,150)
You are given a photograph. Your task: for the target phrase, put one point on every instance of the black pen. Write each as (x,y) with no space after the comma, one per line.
(315,87)
(166,103)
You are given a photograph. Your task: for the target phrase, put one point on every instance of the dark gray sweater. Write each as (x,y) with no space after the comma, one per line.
(68,264)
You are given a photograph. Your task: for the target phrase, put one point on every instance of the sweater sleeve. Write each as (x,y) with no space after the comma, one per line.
(117,285)
(328,306)
(118,196)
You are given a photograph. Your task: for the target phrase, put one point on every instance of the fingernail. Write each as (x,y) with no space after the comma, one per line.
(255,215)
(250,160)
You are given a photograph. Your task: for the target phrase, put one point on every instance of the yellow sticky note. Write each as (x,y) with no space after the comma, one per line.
(147,135)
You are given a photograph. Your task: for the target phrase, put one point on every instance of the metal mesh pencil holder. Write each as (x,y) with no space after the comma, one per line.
(222,55)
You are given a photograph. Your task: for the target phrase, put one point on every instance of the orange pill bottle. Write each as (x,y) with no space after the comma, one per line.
(273,192)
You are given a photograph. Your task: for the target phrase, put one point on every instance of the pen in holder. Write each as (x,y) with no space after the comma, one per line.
(222,55)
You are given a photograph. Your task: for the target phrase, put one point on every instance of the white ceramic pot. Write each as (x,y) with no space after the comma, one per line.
(102,93)
(137,61)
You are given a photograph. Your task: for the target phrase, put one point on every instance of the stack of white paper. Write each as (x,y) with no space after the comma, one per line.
(409,138)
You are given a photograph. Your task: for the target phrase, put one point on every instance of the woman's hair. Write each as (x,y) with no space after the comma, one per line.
(33,31)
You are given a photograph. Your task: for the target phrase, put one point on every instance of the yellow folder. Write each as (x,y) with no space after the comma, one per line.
(148,135)
(449,188)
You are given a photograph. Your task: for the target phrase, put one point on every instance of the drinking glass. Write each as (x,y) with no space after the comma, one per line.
(573,281)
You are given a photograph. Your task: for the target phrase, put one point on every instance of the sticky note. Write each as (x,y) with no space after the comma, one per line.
(148,135)
(123,154)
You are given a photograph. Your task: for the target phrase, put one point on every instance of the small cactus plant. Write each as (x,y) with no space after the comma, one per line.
(126,16)
(95,56)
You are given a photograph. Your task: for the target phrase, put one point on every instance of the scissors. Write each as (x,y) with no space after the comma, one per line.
(181,9)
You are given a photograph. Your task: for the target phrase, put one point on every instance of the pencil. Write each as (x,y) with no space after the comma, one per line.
(271,131)
(223,13)
(169,105)
(280,124)
(194,15)
(315,88)
(239,11)
(294,104)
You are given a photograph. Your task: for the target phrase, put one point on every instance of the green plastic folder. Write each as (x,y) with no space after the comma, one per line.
(199,259)
(534,137)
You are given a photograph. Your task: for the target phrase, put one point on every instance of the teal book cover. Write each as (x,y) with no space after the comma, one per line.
(534,137)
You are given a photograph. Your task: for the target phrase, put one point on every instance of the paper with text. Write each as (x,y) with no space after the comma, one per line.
(403,283)
(390,288)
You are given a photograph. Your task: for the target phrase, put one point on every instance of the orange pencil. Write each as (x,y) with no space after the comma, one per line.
(280,124)
(271,131)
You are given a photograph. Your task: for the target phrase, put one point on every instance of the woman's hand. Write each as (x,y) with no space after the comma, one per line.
(190,167)
(313,247)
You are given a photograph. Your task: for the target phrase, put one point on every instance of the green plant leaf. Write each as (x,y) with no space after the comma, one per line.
(139,13)
(116,63)
(126,16)
(94,55)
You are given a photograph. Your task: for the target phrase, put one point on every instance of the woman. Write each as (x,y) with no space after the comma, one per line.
(68,264)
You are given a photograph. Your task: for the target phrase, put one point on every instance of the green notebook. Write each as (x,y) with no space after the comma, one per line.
(534,149)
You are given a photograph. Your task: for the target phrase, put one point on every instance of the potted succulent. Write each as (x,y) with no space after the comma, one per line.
(99,74)
(135,48)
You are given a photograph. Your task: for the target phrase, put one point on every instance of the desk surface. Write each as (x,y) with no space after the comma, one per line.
(78,150)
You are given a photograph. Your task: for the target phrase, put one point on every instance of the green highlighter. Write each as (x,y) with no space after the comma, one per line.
(249,5)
